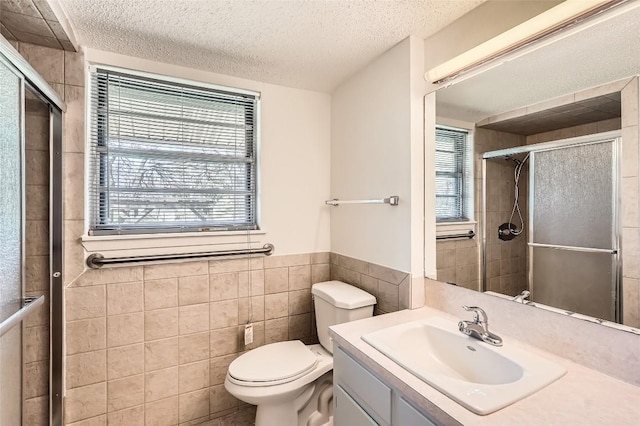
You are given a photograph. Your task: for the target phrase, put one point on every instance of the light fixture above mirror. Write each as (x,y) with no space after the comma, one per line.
(559,18)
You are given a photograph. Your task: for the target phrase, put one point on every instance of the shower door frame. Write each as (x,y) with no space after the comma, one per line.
(613,137)
(22,218)
(38,86)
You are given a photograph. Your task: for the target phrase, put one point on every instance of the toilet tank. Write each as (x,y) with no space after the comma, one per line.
(336,302)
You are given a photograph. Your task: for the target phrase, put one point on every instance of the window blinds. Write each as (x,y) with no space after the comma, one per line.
(168,157)
(451,166)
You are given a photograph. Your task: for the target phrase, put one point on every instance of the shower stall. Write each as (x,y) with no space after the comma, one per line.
(569,232)
(31,235)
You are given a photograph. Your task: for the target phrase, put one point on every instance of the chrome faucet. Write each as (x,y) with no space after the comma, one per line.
(521,298)
(479,328)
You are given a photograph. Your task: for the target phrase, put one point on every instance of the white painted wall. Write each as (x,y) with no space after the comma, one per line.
(294,154)
(376,127)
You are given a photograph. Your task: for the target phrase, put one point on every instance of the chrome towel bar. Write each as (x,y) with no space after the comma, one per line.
(573,248)
(392,200)
(470,234)
(97,260)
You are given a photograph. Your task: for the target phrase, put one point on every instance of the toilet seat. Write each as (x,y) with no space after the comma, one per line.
(273,364)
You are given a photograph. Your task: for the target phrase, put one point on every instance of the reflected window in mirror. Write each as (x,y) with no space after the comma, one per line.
(454,175)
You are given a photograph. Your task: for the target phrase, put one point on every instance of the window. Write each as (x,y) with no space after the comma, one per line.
(170,157)
(453,175)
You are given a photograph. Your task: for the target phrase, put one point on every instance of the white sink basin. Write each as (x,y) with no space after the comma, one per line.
(481,377)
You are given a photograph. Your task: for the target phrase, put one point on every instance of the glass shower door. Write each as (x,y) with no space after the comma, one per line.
(11,250)
(573,247)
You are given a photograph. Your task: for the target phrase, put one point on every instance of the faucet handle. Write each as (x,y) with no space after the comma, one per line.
(477,312)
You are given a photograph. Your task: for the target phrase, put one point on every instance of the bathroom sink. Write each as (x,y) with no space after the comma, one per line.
(481,377)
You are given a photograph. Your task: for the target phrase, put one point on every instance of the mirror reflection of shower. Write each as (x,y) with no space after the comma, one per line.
(562,259)
(505,270)
(508,231)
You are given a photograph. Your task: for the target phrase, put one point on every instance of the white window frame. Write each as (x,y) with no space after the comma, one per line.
(451,228)
(168,243)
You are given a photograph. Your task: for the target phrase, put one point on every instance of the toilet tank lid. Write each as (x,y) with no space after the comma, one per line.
(342,295)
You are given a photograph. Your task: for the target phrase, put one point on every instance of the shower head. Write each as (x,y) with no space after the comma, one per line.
(515,160)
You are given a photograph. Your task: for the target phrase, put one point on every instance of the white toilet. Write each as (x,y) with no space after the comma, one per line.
(291,383)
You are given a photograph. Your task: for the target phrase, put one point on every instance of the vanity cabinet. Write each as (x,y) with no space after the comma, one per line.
(362,399)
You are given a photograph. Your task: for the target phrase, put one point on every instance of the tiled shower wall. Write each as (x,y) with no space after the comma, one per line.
(64,71)
(575,131)
(506,260)
(630,204)
(36,327)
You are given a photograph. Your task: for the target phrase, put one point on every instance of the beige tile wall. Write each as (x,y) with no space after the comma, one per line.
(64,72)
(390,287)
(458,262)
(151,344)
(506,260)
(630,206)
(32,21)
(575,131)
(36,327)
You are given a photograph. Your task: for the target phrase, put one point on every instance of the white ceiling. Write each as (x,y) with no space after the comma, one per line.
(599,54)
(305,44)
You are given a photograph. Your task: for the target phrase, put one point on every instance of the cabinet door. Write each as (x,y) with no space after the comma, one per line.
(407,415)
(348,412)
(364,387)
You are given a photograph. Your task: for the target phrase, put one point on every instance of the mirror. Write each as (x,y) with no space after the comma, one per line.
(579,86)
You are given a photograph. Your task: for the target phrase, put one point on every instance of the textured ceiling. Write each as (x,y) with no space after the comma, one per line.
(306,44)
(605,52)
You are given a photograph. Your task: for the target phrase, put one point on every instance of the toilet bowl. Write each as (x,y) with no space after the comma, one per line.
(280,392)
(290,382)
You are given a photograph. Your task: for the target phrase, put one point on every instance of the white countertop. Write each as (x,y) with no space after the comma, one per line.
(583,396)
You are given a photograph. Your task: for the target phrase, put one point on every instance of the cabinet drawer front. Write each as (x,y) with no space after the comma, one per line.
(348,412)
(363,386)
(407,415)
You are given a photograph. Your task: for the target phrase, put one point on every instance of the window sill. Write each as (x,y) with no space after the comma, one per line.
(451,229)
(157,244)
